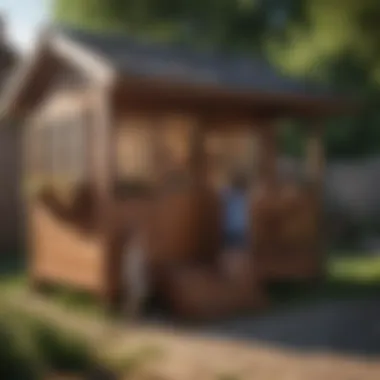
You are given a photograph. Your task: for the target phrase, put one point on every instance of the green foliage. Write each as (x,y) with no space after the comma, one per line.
(62,352)
(15,363)
(91,13)
(129,364)
(338,43)
(30,348)
(357,269)
(328,30)
(218,24)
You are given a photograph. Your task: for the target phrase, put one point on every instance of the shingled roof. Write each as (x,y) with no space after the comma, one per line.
(132,56)
(238,82)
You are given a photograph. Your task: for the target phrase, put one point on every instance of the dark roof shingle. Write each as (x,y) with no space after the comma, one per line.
(139,58)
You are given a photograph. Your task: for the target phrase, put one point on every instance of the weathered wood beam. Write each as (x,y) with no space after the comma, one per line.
(104,172)
(157,145)
(267,152)
(315,156)
(197,156)
(315,171)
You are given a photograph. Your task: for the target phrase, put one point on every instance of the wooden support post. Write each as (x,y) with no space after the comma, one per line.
(265,177)
(103,151)
(197,157)
(104,171)
(197,169)
(315,168)
(252,165)
(88,138)
(31,170)
(315,158)
(159,151)
(267,154)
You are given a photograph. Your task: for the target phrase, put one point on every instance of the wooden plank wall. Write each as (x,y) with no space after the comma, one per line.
(225,150)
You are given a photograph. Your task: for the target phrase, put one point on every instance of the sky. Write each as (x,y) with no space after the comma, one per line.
(24,18)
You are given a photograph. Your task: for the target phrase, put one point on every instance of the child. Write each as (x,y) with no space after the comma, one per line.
(236,208)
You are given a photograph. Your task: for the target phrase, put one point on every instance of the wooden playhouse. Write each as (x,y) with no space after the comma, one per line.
(125,137)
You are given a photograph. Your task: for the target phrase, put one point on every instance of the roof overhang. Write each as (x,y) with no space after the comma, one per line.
(32,78)
(164,92)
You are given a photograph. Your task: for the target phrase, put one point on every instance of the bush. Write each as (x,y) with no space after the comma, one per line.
(60,351)
(29,348)
(16,361)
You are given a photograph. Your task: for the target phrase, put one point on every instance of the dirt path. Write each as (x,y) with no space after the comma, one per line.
(187,356)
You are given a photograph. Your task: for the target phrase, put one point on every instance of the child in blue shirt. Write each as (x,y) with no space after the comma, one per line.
(236,213)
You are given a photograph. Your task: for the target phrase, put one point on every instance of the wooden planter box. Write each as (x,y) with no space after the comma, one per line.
(62,255)
(215,292)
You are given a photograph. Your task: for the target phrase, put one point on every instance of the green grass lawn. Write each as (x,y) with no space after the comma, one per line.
(355,269)
(44,348)
(347,276)
(13,276)
(30,348)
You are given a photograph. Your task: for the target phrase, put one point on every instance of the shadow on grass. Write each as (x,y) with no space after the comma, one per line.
(335,316)
(286,294)
(32,348)
(340,314)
